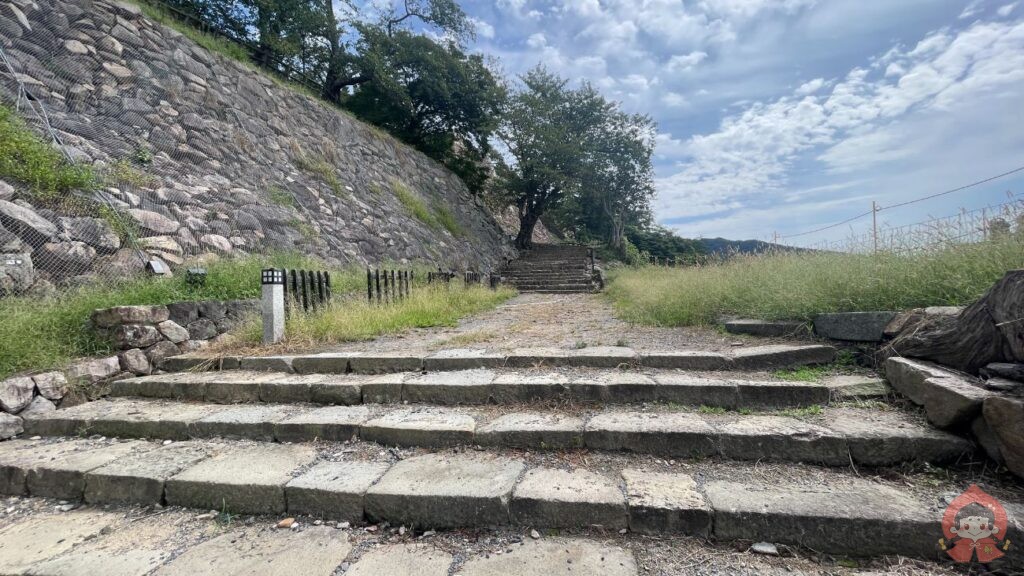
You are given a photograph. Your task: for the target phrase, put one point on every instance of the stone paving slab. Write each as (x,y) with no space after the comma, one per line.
(950,399)
(685,360)
(39,539)
(603,357)
(447,388)
(462,359)
(852,387)
(877,438)
(687,390)
(671,434)
(139,478)
(780,438)
(326,363)
(555,557)
(781,356)
(537,358)
(287,389)
(530,386)
(532,430)
(856,517)
(402,560)
(666,503)
(247,479)
(17,457)
(121,563)
(161,419)
(776,395)
(332,423)
(553,498)
(344,391)
(267,363)
(431,427)
(384,362)
(766,328)
(63,475)
(315,551)
(384,389)
(251,421)
(334,490)
(445,491)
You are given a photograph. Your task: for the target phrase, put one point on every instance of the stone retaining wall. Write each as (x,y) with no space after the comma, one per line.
(203,155)
(144,336)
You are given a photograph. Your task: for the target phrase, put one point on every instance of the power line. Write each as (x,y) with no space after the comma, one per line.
(908,202)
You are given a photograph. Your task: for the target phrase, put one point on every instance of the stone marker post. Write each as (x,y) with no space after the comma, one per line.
(272,305)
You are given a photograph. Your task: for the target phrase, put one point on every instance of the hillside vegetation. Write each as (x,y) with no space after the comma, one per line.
(801,285)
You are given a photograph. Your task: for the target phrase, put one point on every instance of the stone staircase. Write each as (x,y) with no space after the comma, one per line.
(605,438)
(551,268)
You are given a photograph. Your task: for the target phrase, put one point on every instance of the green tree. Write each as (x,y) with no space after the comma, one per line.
(576,155)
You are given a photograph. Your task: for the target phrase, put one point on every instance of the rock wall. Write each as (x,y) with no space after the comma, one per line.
(203,155)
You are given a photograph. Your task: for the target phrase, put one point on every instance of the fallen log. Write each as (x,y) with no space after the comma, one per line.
(989,330)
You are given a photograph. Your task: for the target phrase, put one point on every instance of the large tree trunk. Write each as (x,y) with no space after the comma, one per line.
(990,330)
(527,222)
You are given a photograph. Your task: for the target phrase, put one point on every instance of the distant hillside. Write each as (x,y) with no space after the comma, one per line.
(715,246)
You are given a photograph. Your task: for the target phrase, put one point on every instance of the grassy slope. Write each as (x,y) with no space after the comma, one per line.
(798,286)
(39,334)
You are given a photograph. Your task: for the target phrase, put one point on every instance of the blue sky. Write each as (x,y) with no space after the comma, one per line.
(779,116)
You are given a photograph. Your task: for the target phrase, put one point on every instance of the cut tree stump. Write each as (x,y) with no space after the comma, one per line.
(989,330)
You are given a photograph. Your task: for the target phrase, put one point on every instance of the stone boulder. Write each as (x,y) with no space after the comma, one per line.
(135,361)
(93,371)
(126,262)
(110,317)
(10,426)
(153,222)
(66,258)
(51,385)
(17,273)
(16,393)
(38,407)
(10,243)
(28,225)
(93,232)
(161,351)
(1005,417)
(127,336)
(202,329)
(173,331)
(6,191)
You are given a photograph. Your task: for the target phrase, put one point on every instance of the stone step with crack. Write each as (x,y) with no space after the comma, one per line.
(473,387)
(748,358)
(841,513)
(835,437)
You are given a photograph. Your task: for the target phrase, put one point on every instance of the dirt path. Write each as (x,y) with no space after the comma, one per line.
(559,321)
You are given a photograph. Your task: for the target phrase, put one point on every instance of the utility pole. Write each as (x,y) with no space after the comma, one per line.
(874,224)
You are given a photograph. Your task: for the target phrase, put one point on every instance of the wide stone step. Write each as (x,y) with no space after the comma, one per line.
(842,513)
(530,286)
(474,387)
(837,438)
(753,358)
(557,290)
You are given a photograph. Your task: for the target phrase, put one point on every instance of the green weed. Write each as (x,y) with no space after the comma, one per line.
(28,159)
(281,197)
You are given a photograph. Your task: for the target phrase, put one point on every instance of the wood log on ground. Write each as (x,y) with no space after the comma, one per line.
(989,330)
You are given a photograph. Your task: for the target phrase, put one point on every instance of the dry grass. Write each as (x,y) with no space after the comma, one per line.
(353,319)
(800,285)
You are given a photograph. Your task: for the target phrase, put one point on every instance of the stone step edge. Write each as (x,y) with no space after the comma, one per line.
(422,492)
(676,435)
(754,358)
(467,388)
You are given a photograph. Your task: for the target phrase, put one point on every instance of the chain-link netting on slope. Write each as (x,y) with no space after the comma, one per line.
(192,155)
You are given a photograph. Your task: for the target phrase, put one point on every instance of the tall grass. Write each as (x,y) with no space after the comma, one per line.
(39,334)
(353,319)
(801,285)
(27,158)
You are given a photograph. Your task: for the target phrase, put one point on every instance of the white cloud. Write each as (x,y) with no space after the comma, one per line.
(674,100)
(537,40)
(971,9)
(810,87)
(684,62)
(1006,10)
(855,126)
(483,29)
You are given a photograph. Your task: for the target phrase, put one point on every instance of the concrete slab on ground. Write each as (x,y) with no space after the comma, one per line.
(248,479)
(139,478)
(442,491)
(555,557)
(334,490)
(318,550)
(666,503)
(431,427)
(332,423)
(402,560)
(39,539)
(554,498)
(532,430)
(670,434)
